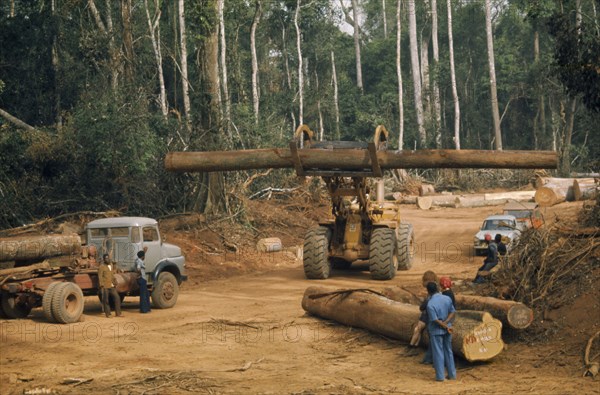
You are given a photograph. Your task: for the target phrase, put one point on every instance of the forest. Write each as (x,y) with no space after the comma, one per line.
(94,93)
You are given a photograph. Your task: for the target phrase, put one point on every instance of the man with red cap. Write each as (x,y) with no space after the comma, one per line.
(490,261)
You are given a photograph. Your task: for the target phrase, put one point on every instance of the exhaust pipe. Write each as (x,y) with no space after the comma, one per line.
(380,191)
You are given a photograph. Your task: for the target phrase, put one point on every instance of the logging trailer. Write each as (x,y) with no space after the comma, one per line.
(68,271)
(358,228)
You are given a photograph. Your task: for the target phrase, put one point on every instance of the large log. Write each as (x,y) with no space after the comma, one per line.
(551,194)
(514,314)
(473,201)
(520,196)
(354,159)
(564,182)
(476,335)
(585,189)
(32,248)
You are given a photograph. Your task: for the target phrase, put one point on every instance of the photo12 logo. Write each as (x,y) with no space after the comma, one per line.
(89,332)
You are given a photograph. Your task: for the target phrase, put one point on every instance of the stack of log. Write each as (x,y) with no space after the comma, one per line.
(425,202)
(552,190)
(28,250)
(477,336)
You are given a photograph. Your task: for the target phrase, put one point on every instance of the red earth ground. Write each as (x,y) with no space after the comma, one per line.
(238,326)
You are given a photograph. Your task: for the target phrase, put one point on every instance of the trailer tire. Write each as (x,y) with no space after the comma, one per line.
(315,253)
(67,303)
(382,254)
(405,239)
(12,309)
(165,291)
(47,301)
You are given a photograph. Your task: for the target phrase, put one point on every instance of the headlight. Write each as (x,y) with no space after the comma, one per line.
(476,240)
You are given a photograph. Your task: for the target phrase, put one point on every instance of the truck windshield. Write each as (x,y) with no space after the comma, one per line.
(114,232)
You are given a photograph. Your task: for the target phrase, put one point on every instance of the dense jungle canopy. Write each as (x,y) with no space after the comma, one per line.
(93,93)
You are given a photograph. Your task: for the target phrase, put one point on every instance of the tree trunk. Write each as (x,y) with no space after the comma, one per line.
(453,80)
(224,80)
(492,68)
(552,194)
(15,121)
(359,80)
(425,81)
(154,29)
(585,190)
(563,182)
(474,201)
(437,110)
(399,75)
(184,68)
(514,314)
(476,335)
(424,202)
(300,66)
(56,69)
(128,40)
(384,17)
(416,73)
(520,196)
(565,167)
(315,158)
(426,189)
(30,248)
(255,82)
(335,97)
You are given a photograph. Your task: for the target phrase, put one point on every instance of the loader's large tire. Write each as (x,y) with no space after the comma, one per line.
(67,303)
(382,254)
(165,291)
(47,301)
(316,253)
(405,240)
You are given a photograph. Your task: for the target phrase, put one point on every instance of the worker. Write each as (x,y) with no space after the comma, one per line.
(490,261)
(446,287)
(428,276)
(143,282)
(440,311)
(107,282)
(502,250)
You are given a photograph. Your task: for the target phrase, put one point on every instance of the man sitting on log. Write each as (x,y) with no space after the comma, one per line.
(440,311)
(490,261)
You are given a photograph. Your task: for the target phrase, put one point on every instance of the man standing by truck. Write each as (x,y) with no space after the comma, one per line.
(107,282)
(144,296)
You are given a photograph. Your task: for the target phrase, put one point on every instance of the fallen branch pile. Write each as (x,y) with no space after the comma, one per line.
(548,267)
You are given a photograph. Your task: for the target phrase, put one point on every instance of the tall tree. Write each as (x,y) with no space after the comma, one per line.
(384,17)
(154,29)
(492,69)
(128,40)
(453,79)
(399,75)
(255,81)
(185,83)
(223,64)
(416,72)
(336,104)
(436,89)
(359,77)
(300,65)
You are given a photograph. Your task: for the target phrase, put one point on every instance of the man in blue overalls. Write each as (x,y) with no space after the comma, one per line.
(440,311)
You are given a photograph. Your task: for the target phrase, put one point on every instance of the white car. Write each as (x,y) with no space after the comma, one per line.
(505,225)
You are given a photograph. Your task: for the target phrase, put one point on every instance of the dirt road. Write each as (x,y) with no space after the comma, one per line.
(249,334)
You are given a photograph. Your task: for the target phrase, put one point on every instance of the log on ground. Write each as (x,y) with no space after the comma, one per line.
(551,194)
(513,314)
(476,336)
(585,190)
(31,248)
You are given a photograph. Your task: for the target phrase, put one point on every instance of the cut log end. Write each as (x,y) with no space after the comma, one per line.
(480,342)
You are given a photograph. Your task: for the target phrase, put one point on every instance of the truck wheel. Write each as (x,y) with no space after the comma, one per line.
(47,301)
(67,303)
(405,239)
(315,253)
(165,291)
(382,254)
(12,308)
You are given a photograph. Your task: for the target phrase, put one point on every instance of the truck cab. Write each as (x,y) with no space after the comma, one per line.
(122,237)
